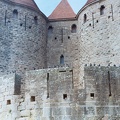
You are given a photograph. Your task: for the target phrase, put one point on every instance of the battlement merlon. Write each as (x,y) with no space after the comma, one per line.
(7,84)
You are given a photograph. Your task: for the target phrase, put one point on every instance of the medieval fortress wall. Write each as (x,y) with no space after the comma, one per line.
(48,95)
(74,86)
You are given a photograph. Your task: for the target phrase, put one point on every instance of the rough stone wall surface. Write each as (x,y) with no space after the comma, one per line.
(99,35)
(50,95)
(49,87)
(72,91)
(22,40)
(9,102)
(62,41)
(104,83)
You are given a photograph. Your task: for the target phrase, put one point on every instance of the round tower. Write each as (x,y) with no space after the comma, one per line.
(99,33)
(22,37)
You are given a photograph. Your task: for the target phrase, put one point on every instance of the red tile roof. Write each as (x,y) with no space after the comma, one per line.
(62,11)
(29,3)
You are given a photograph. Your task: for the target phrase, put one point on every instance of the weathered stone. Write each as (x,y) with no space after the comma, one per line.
(63,74)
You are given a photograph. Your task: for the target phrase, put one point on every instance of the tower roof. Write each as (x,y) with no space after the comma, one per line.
(29,3)
(62,11)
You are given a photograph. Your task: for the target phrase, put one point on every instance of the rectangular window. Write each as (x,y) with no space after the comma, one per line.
(92,95)
(64,96)
(8,102)
(32,98)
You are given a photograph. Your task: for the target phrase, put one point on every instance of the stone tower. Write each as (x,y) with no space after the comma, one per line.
(64,67)
(23,36)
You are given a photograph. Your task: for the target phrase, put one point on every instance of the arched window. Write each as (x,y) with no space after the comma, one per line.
(102,10)
(36,20)
(50,29)
(61,59)
(73,28)
(85,18)
(15,13)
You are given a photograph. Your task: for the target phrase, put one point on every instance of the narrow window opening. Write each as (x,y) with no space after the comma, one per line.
(68,37)
(92,95)
(30,27)
(50,29)
(64,96)
(47,76)
(62,71)
(62,35)
(21,24)
(90,24)
(25,68)
(15,13)
(61,59)
(55,38)
(97,21)
(112,12)
(47,95)
(8,102)
(93,19)
(36,20)
(5,17)
(110,93)
(85,18)
(25,22)
(32,98)
(47,85)
(102,8)
(73,28)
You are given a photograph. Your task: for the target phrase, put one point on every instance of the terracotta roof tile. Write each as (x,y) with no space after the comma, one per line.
(29,3)
(62,11)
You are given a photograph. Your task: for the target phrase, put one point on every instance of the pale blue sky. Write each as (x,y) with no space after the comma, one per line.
(47,6)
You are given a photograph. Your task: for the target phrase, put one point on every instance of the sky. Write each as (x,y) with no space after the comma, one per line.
(47,6)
